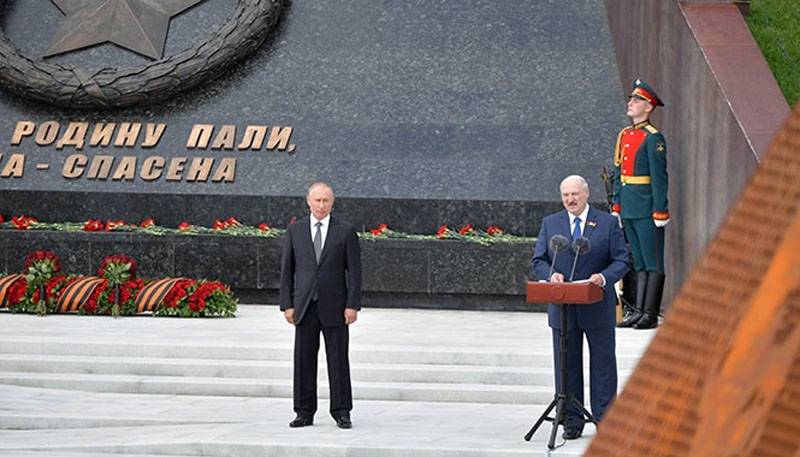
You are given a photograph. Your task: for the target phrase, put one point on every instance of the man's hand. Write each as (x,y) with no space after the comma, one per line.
(288,313)
(597,279)
(661,223)
(350,315)
(557,277)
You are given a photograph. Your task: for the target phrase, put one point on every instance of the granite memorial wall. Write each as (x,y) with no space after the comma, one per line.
(419,113)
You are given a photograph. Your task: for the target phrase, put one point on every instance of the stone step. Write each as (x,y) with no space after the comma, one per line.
(282,388)
(283,450)
(418,355)
(251,439)
(210,368)
(56,453)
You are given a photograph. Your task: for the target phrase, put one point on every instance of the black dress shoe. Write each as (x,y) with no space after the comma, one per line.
(302,421)
(572,434)
(344,422)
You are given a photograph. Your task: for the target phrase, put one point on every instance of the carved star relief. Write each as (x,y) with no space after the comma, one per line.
(138,25)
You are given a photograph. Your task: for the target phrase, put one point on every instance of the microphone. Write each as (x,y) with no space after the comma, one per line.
(580,246)
(557,244)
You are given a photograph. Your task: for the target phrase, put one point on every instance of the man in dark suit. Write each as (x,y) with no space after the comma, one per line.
(603,265)
(321,291)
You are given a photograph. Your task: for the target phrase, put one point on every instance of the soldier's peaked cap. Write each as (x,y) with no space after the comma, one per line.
(643,90)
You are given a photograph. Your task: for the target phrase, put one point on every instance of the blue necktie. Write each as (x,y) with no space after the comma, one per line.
(576,233)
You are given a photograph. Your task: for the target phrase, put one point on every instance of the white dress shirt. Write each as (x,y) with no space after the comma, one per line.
(583,216)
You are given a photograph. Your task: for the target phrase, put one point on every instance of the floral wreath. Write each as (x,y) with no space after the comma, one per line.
(75,87)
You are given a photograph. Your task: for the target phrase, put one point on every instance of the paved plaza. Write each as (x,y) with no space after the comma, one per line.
(426,383)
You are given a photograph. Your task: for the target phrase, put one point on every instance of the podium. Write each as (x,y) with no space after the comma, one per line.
(572,293)
(562,294)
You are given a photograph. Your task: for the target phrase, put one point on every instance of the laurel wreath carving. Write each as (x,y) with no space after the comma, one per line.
(75,87)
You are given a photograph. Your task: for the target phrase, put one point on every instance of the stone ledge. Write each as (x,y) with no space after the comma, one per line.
(446,274)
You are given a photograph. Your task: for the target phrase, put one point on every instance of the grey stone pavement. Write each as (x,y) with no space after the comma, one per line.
(425,383)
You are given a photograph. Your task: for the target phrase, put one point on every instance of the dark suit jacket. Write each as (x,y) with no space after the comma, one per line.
(608,255)
(337,277)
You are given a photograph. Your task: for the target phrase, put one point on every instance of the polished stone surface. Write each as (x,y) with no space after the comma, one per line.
(458,274)
(484,102)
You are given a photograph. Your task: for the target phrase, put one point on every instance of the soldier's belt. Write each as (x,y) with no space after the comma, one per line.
(635,179)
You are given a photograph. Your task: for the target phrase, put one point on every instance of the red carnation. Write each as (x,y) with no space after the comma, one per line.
(117,258)
(93,225)
(41,255)
(465,230)
(91,304)
(16,292)
(112,225)
(184,226)
(381,229)
(23,222)
(442,232)
(263,227)
(494,230)
(149,222)
(177,293)
(53,284)
(197,301)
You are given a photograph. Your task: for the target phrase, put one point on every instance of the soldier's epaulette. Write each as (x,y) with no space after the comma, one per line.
(651,129)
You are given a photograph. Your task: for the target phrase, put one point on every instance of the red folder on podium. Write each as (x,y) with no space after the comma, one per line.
(571,293)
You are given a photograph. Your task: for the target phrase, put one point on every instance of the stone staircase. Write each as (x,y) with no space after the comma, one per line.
(69,384)
(400,374)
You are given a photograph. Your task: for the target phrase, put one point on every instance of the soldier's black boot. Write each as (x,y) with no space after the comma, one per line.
(652,301)
(634,316)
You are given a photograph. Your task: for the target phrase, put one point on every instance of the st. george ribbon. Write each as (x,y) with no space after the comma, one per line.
(557,244)
(580,246)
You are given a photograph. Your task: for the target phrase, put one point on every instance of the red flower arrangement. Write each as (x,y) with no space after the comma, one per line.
(226,224)
(23,222)
(184,226)
(381,229)
(43,256)
(117,259)
(16,293)
(149,222)
(263,227)
(91,305)
(93,225)
(197,301)
(443,232)
(493,230)
(178,292)
(113,225)
(466,230)
(51,290)
(40,289)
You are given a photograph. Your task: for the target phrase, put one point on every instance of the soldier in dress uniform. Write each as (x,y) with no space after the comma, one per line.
(640,199)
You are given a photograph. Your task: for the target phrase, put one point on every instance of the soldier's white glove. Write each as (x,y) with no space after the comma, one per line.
(619,219)
(661,223)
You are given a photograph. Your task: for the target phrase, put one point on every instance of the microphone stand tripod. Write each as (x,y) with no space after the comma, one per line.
(562,399)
